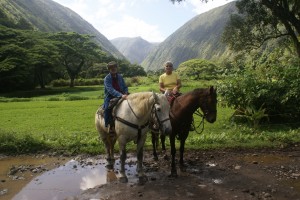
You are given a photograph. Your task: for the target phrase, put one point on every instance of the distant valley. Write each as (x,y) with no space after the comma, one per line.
(198,38)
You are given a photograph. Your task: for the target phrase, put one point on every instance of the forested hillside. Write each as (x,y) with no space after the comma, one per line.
(49,16)
(198,38)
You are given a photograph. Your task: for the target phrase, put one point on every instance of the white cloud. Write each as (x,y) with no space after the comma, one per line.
(120,18)
(131,27)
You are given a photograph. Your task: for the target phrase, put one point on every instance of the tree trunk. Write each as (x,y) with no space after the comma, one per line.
(72,80)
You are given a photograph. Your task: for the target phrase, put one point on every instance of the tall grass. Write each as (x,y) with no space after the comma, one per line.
(63,121)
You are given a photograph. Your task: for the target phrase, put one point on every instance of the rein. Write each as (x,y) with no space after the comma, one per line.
(132,110)
(139,128)
(197,112)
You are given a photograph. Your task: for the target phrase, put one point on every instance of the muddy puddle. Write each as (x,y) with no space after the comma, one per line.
(46,178)
(219,175)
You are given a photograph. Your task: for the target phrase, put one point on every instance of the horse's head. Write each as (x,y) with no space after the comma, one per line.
(209,104)
(161,110)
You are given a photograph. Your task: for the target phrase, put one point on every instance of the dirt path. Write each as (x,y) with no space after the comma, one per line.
(227,174)
(217,175)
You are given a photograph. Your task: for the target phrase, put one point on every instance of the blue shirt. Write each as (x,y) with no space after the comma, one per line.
(110,92)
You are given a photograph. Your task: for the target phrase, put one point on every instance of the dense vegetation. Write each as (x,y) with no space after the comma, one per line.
(61,120)
(31,58)
(258,91)
(49,16)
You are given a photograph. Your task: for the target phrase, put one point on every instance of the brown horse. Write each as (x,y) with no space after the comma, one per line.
(181,116)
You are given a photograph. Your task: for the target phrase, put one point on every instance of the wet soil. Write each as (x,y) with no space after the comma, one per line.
(220,174)
(228,174)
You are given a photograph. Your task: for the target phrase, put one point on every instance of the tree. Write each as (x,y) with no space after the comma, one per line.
(259,21)
(198,69)
(75,51)
(44,58)
(15,71)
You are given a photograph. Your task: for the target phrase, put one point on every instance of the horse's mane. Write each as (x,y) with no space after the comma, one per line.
(137,101)
(203,91)
(196,91)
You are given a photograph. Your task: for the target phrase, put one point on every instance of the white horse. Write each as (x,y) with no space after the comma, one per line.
(131,124)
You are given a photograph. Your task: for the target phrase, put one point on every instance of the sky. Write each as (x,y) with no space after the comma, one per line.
(153,20)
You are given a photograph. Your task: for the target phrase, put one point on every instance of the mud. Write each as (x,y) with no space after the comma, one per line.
(221,174)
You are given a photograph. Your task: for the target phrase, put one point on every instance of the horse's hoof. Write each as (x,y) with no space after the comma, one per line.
(182,168)
(172,175)
(166,157)
(123,179)
(143,180)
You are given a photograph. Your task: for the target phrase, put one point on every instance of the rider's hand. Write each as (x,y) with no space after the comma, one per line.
(175,90)
(124,96)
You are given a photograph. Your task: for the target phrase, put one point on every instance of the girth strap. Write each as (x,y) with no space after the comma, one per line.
(139,128)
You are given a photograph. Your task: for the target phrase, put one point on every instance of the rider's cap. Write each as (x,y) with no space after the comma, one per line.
(112,64)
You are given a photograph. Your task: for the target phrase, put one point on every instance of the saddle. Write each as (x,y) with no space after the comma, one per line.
(112,103)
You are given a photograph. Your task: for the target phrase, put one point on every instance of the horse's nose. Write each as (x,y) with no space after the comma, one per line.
(211,119)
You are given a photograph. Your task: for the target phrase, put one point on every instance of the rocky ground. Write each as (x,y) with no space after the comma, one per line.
(227,174)
(217,175)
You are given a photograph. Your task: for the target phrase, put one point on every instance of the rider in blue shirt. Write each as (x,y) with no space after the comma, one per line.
(114,87)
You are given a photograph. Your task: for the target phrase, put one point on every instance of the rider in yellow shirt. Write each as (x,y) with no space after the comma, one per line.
(169,82)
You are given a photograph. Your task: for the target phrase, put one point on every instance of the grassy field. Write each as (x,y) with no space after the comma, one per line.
(62,120)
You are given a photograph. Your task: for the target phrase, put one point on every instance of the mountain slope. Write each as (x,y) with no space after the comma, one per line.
(134,49)
(198,38)
(49,16)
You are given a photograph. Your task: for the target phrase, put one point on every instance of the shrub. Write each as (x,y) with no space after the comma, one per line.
(277,93)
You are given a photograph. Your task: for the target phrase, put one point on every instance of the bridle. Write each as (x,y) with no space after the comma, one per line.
(155,119)
(202,115)
(138,127)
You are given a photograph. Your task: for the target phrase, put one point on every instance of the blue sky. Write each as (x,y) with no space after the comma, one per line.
(153,20)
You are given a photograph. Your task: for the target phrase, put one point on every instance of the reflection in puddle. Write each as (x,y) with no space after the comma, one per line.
(69,180)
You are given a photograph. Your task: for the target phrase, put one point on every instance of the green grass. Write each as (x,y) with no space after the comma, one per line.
(62,120)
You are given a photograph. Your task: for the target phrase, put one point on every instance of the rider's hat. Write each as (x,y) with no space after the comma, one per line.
(112,64)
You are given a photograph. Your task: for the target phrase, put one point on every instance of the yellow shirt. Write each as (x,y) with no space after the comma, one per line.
(169,81)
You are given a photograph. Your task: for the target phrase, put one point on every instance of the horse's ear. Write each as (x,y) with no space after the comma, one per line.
(155,96)
(211,89)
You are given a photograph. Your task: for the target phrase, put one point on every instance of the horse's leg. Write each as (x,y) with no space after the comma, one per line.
(173,154)
(163,141)
(183,138)
(109,146)
(123,156)
(181,162)
(142,177)
(154,144)
(111,150)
